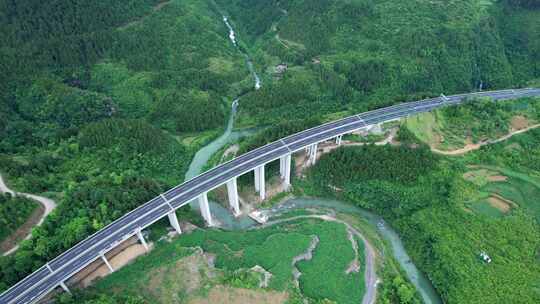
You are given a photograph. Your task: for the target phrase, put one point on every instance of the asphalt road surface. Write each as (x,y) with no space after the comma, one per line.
(48,277)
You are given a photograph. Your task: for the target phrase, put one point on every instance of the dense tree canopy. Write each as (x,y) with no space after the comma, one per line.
(14,211)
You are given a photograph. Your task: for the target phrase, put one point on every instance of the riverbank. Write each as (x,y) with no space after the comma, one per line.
(237,260)
(397,251)
(47,205)
(370,274)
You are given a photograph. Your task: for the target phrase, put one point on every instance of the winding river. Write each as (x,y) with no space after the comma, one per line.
(226,220)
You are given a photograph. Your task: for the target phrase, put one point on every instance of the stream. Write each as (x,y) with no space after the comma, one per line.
(226,219)
(249,62)
(222,215)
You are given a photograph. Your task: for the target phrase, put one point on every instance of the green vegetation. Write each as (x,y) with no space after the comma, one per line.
(91,108)
(517,160)
(361,54)
(135,278)
(395,289)
(336,285)
(425,197)
(161,277)
(473,122)
(14,211)
(104,104)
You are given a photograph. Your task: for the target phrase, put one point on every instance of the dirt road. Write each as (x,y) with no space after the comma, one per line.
(370,275)
(47,203)
(472,147)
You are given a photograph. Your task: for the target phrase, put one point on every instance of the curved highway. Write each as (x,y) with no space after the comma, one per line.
(58,270)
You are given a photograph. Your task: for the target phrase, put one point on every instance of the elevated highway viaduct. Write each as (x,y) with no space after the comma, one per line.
(55,273)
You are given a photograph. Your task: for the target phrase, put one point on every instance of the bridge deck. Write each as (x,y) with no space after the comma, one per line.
(43,280)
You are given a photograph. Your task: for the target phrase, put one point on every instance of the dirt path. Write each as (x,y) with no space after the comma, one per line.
(306,256)
(370,275)
(47,203)
(472,147)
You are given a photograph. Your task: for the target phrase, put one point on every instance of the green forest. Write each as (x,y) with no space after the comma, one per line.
(94,102)
(363,54)
(14,210)
(97,100)
(427,199)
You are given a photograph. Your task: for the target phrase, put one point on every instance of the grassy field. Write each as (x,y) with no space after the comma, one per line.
(425,127)
(179,272)
(324,276)
(454,127)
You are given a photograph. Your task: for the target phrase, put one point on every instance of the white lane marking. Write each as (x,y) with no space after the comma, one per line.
(76,265)
(286,146)
(259,156)
(361,120)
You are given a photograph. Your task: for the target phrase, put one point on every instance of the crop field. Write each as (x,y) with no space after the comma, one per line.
(520,192)
(502,190)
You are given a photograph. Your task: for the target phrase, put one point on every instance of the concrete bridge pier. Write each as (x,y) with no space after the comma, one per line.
(232,190)
(313,154)
(64,287)
(111,269)
(259,181)
(339,139)
(142,240)
(205,209)
(286,175)
(173,220)
(282,165)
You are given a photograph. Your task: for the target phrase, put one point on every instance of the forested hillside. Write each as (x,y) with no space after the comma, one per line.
(94,97)
(450,210)
(169,63)
(14,211)
(359,54)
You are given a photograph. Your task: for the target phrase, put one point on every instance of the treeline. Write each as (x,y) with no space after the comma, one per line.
(400,164)
(276,132)
(103,299)
(479,119)
(248,13)
(113,167)
(93,131)
(525,157)
(60,34)
(190,112)
(393,181)
(49,111)
(14,211)
(175,61)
